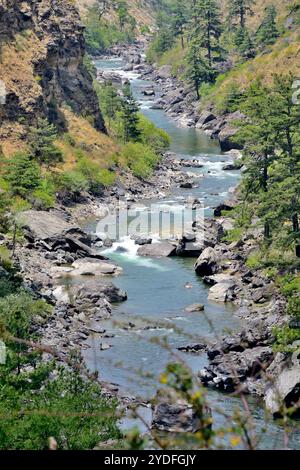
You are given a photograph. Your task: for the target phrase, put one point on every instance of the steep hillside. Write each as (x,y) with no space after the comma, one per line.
(41,64)
(142,10)
(236,67)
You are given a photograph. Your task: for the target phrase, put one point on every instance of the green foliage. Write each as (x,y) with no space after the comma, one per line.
(157,139)
(163,41)
(254,260)
(271,139)
(68,409)
(5,257)
(267,32)
(240,9)
(90,66)
(289,285)
(110,101)
(4,208)
(284,337)
(96,178)
(22,174)
(232,99)
(139,158)
(17,312)
(71,182)
(293,308)
(244,43)
(101,34)
(129,116)
(41,139)
(44,196)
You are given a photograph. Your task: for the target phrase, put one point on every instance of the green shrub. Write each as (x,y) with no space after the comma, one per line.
(72,182)
(152,136)
(22,174)
(284,337)
(69,409)
(254,260)
(288,285)
(140,159)
(293,307)
(44,196)
(5,257)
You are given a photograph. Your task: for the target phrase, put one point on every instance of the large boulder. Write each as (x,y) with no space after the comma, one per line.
(205,117)
(179,417)
(222,292)
(157,250)
(285,388)
(42,225)
(93,267)
(227,372)
(190,246)
(226,138)
(207,263)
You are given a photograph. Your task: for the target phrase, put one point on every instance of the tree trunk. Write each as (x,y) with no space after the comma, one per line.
(267,233)
(242,15)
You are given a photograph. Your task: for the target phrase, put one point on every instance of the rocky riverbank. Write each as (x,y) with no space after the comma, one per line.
(62,263)
(178,99)
(245,361)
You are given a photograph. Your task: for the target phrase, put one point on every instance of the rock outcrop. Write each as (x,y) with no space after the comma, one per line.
(42,65)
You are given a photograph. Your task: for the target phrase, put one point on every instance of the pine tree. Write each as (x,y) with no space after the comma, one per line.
(244,44)
(285,120)
(179,20)
(198,69)
(41,139)
(129,115)
(271,136)
(207,26)
(267,32)
(22,174)
(257,136)
(240,9)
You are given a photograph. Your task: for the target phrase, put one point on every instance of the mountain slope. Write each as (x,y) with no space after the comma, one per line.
(42,66)
(142,10)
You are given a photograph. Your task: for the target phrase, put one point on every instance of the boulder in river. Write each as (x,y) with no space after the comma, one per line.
(194,308)
(178,417)
(91,267)
(157,250)
(207,263)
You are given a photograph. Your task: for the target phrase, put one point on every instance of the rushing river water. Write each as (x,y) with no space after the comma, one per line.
(157,288)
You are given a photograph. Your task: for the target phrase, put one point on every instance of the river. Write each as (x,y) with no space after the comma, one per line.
(157,288)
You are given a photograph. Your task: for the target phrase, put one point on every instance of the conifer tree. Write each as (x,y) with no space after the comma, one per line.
(129,115)
(207,26)
(179,20)
(241,9)
(42,138)
(198,68)
(267,32)
(244,43)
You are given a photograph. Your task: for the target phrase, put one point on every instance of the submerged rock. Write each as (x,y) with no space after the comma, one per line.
(194,308)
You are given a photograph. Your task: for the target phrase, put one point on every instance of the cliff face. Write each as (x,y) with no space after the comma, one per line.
(41,64)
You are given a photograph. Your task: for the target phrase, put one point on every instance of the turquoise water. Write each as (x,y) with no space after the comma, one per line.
(158,294)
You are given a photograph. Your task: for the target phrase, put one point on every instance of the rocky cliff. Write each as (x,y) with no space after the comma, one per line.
(42,64)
